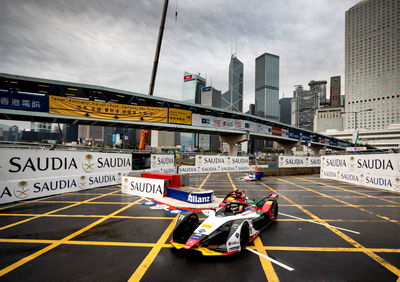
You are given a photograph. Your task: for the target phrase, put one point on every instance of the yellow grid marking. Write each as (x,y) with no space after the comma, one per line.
(148,260)
(352,191)
(53,211)
(230,180)
(204,181)
(150,245)
(83,215)
(267,266)
(345,237)
(343,202)
(65,239)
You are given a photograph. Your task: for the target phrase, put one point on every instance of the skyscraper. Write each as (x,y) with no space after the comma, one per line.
(335,91)
(285,110)
(233,98)
(267,86)
(192,85)
(306,102)
(210,97)
(372,59)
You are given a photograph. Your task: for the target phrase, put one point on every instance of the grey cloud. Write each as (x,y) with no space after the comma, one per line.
(112,43)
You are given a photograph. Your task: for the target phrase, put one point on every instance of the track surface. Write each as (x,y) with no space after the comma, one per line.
(103,235)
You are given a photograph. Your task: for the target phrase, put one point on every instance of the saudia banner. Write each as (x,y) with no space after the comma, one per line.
(378,171)
(298,161)
(163,164)
(144,187)
(221,163)
(17,190)
(21,164)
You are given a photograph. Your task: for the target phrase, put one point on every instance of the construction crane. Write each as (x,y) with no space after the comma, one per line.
(145,133)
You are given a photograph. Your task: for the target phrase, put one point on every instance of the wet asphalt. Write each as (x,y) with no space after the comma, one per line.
(103,235)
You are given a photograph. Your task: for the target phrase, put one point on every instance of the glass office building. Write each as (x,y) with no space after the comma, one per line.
(192,85)
(233,98)
(267,86)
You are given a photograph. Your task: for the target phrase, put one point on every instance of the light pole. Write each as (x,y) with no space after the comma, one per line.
(356,120)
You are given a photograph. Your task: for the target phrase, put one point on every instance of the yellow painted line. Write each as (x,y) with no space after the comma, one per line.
(53,211)
(352,191)
(269,270)
(31,241)
(148,260)
(64,240)
(204,181)
(233,184)
(267,266)
(83,215)
(341,201)
(345,237)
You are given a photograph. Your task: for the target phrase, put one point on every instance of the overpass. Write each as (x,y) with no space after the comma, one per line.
(42,100)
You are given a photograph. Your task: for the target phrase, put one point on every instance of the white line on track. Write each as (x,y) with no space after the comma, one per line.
(271,259)
(344,229)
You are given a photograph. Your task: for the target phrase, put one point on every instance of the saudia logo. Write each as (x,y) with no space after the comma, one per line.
(164,161)
(294,162)
(41,164)
(102,179)
(349,177)
(88,163)
(82,182)
(54,185)
(384,182)
(240,160)
(21,190)
(335,163)
(375,164)
(146,187)
(208,160)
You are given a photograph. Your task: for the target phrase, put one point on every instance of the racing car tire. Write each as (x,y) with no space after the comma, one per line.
(244,236)
(185,228)
(275,210)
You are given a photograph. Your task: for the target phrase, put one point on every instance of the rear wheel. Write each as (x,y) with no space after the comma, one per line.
(275,210)
(244,236)
(185,228)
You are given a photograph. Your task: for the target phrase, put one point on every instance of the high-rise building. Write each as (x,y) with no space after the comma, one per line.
(372,64)
(210,97)
(335,91)
(233,98)
(285,110)
(267,86)
(192,85)
(306,102)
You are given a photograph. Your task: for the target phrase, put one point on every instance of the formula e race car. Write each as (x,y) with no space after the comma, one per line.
(229,228)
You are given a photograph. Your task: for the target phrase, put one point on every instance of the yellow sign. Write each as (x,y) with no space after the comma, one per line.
(180,116)
(94,109)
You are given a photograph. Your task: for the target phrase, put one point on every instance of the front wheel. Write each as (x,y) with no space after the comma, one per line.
(244,236)
(186,227)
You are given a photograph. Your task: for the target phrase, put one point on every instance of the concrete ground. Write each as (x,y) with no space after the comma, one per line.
(103,235)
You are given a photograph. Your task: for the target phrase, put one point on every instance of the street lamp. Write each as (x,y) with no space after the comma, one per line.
(355,121)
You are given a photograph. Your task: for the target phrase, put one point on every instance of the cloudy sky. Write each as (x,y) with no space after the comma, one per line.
(112,42)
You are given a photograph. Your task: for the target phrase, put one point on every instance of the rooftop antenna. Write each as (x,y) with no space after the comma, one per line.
(236,48)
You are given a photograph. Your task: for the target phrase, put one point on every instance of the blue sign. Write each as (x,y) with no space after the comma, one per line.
(25,102)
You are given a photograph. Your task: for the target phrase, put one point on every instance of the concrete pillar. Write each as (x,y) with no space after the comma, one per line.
(316,148)
(287,146)
(232,141)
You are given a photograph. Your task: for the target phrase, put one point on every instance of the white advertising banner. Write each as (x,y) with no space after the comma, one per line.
(22,164)
(162,164)
(378,170)
(206,163)
(188,169)
(17,190)
(299,161)
(143,187)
